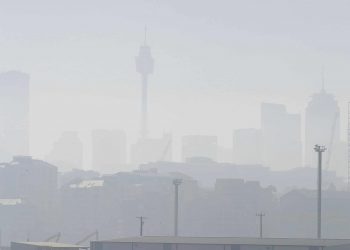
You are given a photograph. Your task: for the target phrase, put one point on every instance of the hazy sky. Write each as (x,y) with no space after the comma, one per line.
(215,61)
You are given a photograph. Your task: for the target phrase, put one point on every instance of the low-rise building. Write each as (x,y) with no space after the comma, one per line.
(219,243)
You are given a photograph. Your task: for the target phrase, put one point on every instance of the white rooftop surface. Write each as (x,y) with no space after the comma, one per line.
(50,244)
(88,184)
(10,202)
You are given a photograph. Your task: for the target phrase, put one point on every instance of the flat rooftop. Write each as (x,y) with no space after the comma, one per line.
(234,241)
(49,244)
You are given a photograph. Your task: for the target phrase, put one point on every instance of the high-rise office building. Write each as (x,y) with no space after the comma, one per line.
(194,146)
(281,137)
(14,114)
(108,150)
(147,150)
(321,125)
(67,152)
(247,146)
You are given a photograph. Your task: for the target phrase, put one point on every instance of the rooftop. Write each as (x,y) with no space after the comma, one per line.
(10,202)
(88,184)
(49,244)
(235,241)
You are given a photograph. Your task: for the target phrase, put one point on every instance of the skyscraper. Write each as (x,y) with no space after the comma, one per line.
(144,66)
(108,150)
(247,146)
(14,114)
(321,125)
(67,151)
(281,137)
(199,146)
(152,150)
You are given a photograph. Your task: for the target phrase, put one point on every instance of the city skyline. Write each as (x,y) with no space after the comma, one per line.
(174,125)
(85,65)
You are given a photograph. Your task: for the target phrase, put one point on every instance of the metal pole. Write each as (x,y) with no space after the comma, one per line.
(176,183)
(348,146)
(142,222)
(319,149)
(261,215)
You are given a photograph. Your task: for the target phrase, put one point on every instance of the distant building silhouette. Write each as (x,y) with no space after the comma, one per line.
(108,150)
(206,172)
(151,150)
(281,137)
(33,180)
(247,146)
(14,114)
(28,196)
(199,146)
(67,152)
(321,125)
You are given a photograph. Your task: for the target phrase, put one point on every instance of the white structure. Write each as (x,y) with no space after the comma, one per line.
(44,246)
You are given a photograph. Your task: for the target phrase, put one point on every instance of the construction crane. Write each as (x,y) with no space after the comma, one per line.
(165,151)
(55,237)
(331,142)
(87,237)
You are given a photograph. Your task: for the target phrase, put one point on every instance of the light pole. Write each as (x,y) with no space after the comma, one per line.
(261,215)
(142,222)
(319,150)
(177,183)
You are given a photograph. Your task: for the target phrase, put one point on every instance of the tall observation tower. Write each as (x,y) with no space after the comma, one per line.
(144,66)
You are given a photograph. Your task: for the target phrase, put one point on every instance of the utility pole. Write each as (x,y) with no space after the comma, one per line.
(177,183)
(142,222)
(261,215)
(319,150)
(348,146)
